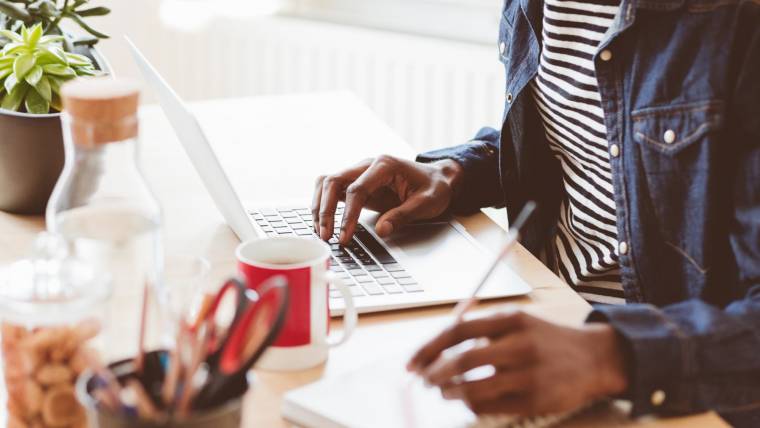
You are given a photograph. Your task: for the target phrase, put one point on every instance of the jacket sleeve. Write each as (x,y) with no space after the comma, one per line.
(693,356)
(479,158)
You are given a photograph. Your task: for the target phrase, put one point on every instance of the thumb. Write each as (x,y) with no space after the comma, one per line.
(400,216)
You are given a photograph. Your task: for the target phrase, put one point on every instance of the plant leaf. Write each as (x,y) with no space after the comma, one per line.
(78,19)
(78,60)
(23,64)
(87,71)
(36,104)
(10,35)
(34,75)
(25,34)
(5,72)
(14,11)
(56,83)
(14,98)
(50,39)
(44,57)
(49,9)
(14,48)
(44,89)
(10,83)
(34,36)
(57,52)
(86,40)
(94,11)
(59,70)
(56,103)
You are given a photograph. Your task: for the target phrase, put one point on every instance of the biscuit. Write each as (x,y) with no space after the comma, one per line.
(53,374)
(60,407)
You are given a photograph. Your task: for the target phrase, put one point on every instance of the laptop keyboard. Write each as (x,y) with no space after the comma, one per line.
(364,264)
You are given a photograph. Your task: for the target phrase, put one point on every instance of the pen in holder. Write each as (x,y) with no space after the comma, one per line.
(201,382)
(227,415)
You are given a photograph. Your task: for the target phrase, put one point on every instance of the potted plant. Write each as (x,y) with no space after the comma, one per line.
(36,58)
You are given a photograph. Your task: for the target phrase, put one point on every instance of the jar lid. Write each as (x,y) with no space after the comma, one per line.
(102,109)
(49,287)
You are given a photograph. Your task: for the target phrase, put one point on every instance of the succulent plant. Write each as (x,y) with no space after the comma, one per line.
(17,13)
(33,67)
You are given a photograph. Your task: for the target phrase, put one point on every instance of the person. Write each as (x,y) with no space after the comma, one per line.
(635,126)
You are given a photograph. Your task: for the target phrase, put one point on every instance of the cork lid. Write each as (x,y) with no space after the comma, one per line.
(101,109)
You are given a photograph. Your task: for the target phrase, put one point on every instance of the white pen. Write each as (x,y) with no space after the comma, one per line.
(513,235)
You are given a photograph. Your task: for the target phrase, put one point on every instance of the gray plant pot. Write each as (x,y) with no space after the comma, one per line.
(32,156)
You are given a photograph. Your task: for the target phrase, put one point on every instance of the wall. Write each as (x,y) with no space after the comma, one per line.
(432,91)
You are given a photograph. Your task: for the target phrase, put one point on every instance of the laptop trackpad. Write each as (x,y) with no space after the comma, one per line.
(441,256)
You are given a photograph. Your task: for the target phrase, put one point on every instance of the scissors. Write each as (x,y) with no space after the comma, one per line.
(226,353)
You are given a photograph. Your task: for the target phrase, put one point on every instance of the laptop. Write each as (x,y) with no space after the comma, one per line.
(424,264)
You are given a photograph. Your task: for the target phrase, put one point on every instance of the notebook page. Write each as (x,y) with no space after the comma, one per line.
(383,394)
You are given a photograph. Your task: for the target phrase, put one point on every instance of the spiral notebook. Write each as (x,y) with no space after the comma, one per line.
(382,395)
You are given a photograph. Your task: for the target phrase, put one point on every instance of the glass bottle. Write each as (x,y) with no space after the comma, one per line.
(51,311)
(102,205)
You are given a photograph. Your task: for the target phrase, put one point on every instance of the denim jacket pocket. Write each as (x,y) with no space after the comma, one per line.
(671,129)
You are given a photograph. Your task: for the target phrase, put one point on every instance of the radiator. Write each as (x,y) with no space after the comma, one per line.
(431,92)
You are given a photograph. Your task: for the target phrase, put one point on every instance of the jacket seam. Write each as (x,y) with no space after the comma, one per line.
(698,106)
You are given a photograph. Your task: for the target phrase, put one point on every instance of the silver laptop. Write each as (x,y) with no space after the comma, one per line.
(424,264)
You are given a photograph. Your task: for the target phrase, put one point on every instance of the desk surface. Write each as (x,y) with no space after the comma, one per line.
(274,146)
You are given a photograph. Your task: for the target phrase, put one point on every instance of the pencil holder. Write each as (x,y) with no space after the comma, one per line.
(227,415)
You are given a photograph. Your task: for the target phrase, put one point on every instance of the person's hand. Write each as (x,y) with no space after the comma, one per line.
(402,190)
(539,367)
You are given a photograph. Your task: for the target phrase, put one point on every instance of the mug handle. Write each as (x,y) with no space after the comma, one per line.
(350,316)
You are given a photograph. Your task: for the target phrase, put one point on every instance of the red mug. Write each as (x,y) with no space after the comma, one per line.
(304,341)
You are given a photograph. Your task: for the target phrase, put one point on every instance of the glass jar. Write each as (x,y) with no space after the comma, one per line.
(102,205)
(52,314)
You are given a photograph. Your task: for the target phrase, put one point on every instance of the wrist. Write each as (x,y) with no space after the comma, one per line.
(610,359)
(452,173)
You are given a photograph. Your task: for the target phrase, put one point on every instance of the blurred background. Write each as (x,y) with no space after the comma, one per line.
(428,68)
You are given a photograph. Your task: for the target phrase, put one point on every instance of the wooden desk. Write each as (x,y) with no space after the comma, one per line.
(274,146)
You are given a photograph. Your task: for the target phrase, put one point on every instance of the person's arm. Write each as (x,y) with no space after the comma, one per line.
(480,184)
(700,356)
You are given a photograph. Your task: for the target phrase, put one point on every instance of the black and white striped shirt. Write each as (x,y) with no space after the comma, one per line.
(568,101)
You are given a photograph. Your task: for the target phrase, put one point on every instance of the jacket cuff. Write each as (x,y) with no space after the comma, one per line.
(655,351)
(480,186)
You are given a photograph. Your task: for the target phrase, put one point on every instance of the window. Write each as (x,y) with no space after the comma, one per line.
(463,20)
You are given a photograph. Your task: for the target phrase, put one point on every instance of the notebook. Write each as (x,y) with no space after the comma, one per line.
(383,394)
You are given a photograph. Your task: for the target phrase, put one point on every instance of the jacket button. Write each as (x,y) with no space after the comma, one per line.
(606,55)
(502,47)
(509,97)
(669,137)
(623,248)
(658,398)
(615,150)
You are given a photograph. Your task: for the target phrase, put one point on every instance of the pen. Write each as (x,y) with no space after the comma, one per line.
(145,407)
(513,235)
(140,360)
(112,388)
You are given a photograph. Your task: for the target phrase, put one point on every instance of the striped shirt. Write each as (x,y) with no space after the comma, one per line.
(568,101)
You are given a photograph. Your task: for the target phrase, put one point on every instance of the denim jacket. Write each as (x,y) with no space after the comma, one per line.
(688,207)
